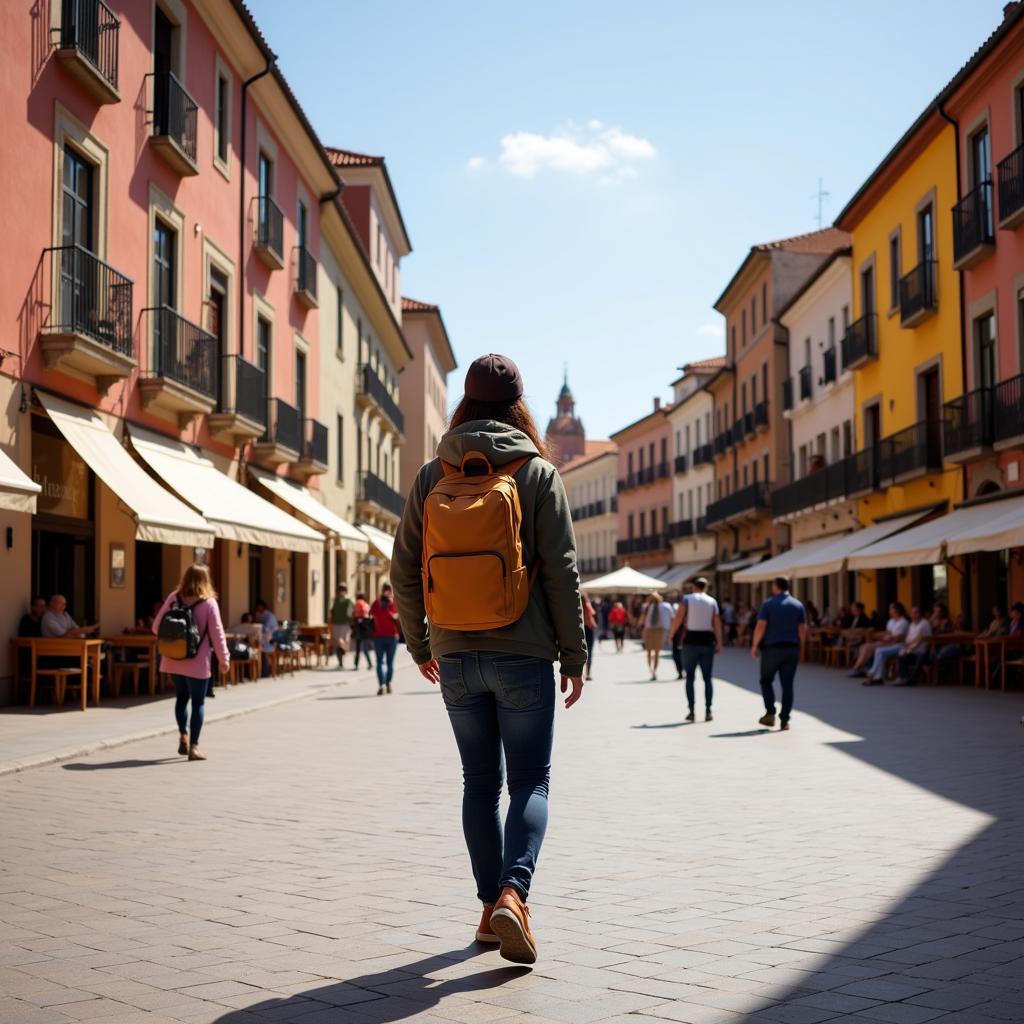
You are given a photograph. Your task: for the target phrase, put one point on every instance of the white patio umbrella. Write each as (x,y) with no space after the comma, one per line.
(624,581)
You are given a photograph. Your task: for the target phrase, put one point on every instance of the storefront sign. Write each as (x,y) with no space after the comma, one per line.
(117,565)
(62,475)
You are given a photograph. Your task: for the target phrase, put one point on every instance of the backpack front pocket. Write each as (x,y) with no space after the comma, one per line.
(467,590)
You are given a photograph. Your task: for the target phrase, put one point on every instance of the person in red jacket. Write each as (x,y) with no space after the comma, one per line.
(617,619)
(385,637)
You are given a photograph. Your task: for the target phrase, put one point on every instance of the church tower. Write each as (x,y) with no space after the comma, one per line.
(565,435)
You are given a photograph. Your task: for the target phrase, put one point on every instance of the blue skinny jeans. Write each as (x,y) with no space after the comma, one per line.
(186,688)
(502,704)
(697,656)
(384,647)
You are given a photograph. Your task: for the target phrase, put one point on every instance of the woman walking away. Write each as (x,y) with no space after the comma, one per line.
(617,619)
(188,627)
(363,629)
(589,632)
(657,620)
(484,570)
(385,637)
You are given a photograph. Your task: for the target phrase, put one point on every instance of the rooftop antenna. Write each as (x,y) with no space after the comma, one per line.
(820,195)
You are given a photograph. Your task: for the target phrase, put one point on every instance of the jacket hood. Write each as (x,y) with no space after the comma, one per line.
(498,441)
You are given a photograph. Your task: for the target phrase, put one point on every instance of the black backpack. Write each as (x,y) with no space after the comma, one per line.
(178,636)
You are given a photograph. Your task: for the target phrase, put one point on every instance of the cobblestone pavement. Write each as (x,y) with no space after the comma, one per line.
(865,866)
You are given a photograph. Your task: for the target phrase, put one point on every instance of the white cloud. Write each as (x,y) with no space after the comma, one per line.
(610,152)
(474,163)
(711,331)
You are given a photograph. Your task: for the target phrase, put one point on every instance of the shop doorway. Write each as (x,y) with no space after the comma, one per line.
(63,562)
(256,576)
(888,590)
(149,568)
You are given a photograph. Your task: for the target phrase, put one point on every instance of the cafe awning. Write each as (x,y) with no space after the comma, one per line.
(17,490)
(677,575)
(303,501)
(965,528)
(233,511)
(626,580)
(780,565)
(382,542)
(1002,527)
(159,516)
(833,556)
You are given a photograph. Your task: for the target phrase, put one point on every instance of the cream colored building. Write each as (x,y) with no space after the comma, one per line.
(590,483)
(424,386)
(693,471)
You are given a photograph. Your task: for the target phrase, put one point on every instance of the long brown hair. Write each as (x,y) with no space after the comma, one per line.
(515,414)
(196,584)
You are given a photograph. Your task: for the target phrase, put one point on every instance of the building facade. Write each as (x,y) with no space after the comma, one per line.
(590,482)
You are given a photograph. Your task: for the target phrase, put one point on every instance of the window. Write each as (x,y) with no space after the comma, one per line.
(846,319)
(643,524)
(981,158)
(629,526)
(867,290)
(985,346)
(743,397)
(300,383)
(266,172)
(926,234)
(217,305)
(222,114)
(802,457)
(734,338)
(753,316)
(341,448)
(664,449)
(301,223)
(340,324)
(894,271)
(835,453)
(746,472)
(764,303)
(831,332)
(847,438)
(766,475)
(744,330)
(263,339)
(77,202)
(753,390)
(164,269)
(807,352)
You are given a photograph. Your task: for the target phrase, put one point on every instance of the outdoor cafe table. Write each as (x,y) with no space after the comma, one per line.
(93,652)
(316,634)
(138,642)
(984,647)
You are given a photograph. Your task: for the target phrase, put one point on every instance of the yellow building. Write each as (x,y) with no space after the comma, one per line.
(904,344)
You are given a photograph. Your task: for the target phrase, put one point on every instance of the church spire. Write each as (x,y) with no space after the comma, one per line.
(565,435)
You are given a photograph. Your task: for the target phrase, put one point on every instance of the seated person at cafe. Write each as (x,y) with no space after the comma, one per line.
(895,634)
(914,653)
(1016,627)
(858,618)
(56,621)
(268,627)
(917,632)
(32,621)
(998,626)
(939,618)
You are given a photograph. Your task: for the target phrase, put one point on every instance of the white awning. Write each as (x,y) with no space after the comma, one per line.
(1001,528)
(626,580)
(737,563)
(677,575)
(833,557)
(926,544)
(302,499)
(17,489)
(383,542)
(780,565)
(159,516)
(233,511)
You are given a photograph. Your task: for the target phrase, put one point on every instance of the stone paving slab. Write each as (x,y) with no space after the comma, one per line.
(864,866)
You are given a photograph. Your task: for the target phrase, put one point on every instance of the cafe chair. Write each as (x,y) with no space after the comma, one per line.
(62,678)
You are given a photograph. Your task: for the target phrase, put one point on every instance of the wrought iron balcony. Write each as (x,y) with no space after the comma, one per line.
(87,46)
(269,244)
(627,483)
(680,464)
(829,374)
(804,376)
(761,415)
(722,442)
(973,232)
(663,470)
(967,426)
(89,329)
(680,528)
(175,115)
(594,508)
(242,408)
(313,456)
(613,503)
(645,475)
(642,545)
(1011,189)
(305,277)
(702,524)
(860,343)
(918,298)
(282,440)
(787,394)
(374,491)
(748,501)
(909,453)
(702,454)
(182,378)
(1008,413)
(370,390)
(804,493)
(748,424)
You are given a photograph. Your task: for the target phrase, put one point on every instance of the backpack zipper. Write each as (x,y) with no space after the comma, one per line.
(464,554)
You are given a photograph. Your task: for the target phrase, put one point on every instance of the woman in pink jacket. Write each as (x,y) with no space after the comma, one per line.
(192,675)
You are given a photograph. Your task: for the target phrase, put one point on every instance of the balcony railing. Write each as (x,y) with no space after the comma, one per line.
(270,229)
(680,528)
(702,524)
(860,342)
(967,424)
(183,352)
(918,298)
(594,508)
(372,386)
(373,489)
(829,374)
(747,500)
(314,447)
(93,299)
(761,414)
(722,442)
(804,377)
(305,274)
(702,454)
(284,426)
(800,494)
(908,452)
(663,470)
(973,230)
(641,545)
(243,389)
(1008,412)
(679,465)
(593,566)
(748,424)
(1011,189)
(645,475)
(90,29)
(626,483)
(175,115)
(787,394)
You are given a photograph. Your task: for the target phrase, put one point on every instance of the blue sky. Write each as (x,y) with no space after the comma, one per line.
(580,180)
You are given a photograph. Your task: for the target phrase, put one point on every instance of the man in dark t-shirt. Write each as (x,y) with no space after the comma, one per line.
(779,639)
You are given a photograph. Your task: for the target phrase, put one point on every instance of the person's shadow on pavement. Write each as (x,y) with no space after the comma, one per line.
(392,995)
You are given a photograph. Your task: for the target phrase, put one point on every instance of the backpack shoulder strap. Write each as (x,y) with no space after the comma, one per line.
(513,467)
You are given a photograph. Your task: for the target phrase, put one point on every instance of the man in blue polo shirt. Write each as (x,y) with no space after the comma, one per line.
(779,637)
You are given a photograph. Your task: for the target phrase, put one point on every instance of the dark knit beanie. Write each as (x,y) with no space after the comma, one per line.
(493,378)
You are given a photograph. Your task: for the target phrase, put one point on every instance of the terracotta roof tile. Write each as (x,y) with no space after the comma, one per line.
(825,240)
(715,363)
(415,306)
(349,158)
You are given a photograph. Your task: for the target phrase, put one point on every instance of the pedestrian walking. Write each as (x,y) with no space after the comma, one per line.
(385,637)
(657,620)
(362,627)
(485,575)
(341,622)
(779,637)
(698,625)
(589,632)
(618,617)
(189,629)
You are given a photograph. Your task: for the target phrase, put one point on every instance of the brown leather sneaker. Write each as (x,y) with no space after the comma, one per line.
(768,720)
(195,754)
(483,932)
(183,743)
(510,921)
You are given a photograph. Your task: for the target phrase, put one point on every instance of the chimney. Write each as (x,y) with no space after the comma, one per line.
(657,404)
